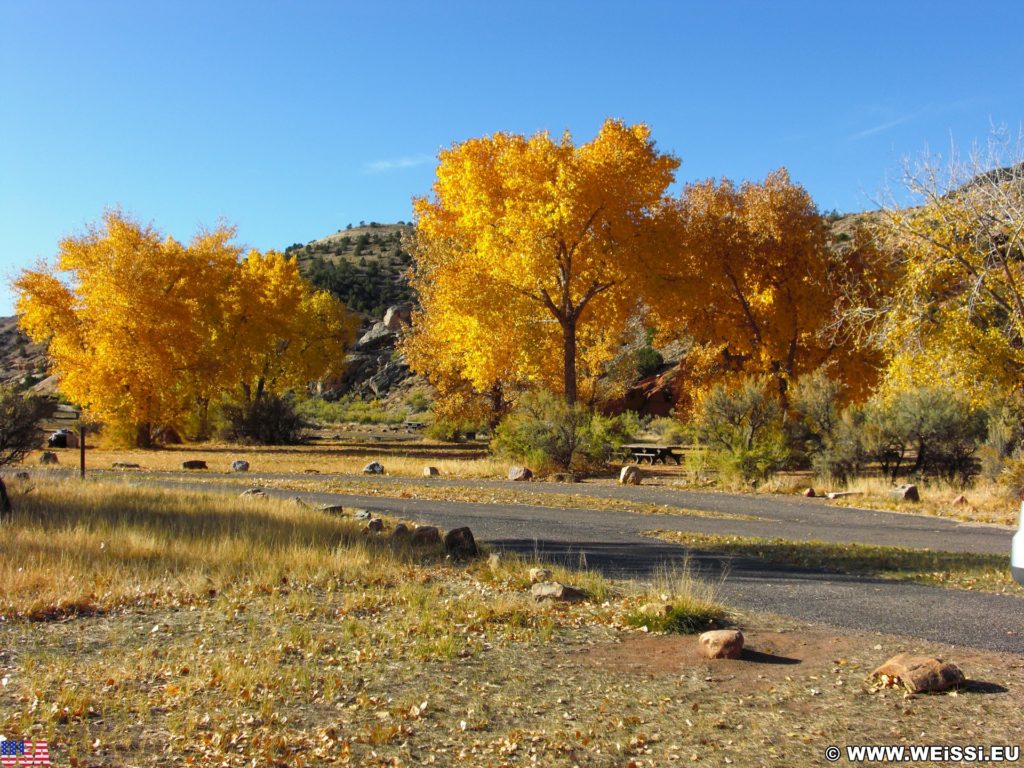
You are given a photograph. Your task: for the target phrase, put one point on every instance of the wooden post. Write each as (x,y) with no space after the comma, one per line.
(81,450)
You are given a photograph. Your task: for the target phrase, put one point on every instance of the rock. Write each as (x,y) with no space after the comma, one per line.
(553,590)
(49,457)
(311,471)
(722,644)
(920,674)
(426,535)
(658,610)
(373,468)
(253,493)
(194,464)
(809,493)
(332,509)
(124,465)
(629,475)
(375,526)
(387,378)
(240,466)
(538,575)
(840,494)
(905,493)
(565,477)
(375,338)
(519,473)
(58,439)
(401,532)
(459,542)
(431,472)
(960,501)
(361,514)
(398,316)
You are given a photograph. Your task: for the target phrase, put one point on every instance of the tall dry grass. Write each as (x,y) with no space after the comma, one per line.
(76,547)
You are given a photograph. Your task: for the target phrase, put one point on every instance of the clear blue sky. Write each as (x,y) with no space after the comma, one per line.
(292,119)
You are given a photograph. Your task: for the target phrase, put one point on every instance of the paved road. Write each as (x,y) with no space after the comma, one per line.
(612,542)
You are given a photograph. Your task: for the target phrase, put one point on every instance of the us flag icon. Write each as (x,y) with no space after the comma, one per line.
(23,753)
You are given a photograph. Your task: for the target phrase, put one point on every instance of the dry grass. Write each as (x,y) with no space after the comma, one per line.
(319,645)
(986,501)
(402,458)
(961,570)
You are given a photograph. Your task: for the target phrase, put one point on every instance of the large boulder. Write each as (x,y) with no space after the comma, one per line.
(426,535)
(398,316)
(722,644)
(630,475)
(556,591)
(58,439)
(373,468)
(905,493)
(431,472)
(459,542)
(519,473)
(375,338)
(919,674)
(240,465)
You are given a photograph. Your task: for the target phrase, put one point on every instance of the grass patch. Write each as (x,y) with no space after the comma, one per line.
(987,502)
(986,573)
(350,410)
(682,603)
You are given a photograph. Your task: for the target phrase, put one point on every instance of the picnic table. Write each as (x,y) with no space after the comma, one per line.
(641,452)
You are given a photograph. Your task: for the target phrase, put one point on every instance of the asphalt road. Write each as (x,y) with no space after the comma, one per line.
(612,542)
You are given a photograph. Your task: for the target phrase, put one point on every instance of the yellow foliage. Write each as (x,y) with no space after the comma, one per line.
(954,311)
(145,329)
(532,255)
(757,285)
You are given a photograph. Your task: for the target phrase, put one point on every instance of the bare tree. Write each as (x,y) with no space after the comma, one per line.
(19,433)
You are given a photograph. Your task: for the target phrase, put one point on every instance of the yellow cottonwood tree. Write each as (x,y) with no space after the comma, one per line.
(757,286)
(145,331)
(954,308)
(532,254)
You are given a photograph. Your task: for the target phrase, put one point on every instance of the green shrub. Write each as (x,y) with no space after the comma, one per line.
(648,360)
(350,410)
(742,427)
(272,420)
(938,430)
(453,430)
(546,433)
(820,436)
(671,431)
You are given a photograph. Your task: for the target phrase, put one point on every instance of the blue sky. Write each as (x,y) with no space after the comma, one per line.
(292,119)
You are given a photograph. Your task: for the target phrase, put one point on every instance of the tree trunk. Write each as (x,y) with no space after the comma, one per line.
(144,435)
(569,337)
(5,502)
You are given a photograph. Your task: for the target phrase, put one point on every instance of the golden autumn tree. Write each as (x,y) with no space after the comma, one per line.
(756,286)
(532,253)
(145,331)
(953,310)
(281,332)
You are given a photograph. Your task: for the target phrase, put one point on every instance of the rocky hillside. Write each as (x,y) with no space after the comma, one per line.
(21,361)
(364,266)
